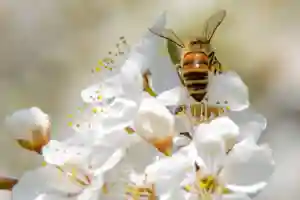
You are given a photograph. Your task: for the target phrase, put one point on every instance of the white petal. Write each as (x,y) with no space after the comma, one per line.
(23,122)
(43,180)
(46,196)
(83,150)
(154,120)
(211,150)
(163,73)
(181,141)
(118,115)
(59,153)
(221,127)
(110,144)
(127,84)
(235,196)
(175,194)
(143,52)
(249,166)
(228,87)
(183,124)
(132,80)
(175,96)
(115,116)
(251,124)
(116,139)
(102,92)
(160,22)
(140,155)
(115,159)
(161,173)
(89,194)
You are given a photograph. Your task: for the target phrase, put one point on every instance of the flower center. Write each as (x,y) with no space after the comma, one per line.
(206,186)
(135,192)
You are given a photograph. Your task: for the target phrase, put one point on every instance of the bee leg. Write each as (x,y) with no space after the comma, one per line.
(190,116)
(178,69)
(218,68)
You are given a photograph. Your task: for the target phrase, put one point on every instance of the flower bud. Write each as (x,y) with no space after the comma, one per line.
(30,127)
(155,124)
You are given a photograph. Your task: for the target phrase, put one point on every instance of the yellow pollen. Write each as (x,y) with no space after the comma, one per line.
(208,184)
(101,63)
(94,110)
(104,189)
(99,97)
(97,69)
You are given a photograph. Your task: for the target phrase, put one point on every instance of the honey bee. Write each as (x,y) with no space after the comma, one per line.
(197,57)
(195,61)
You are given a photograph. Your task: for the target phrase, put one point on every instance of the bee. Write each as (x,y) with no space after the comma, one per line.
(195,61)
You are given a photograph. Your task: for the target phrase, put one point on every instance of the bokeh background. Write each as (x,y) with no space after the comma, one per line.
(47,50)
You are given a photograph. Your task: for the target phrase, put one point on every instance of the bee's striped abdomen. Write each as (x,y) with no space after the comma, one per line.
(195,74)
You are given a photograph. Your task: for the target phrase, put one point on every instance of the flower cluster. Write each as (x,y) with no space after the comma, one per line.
(128,144)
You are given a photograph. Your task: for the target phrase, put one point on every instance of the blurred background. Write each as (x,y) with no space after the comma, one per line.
(48,48)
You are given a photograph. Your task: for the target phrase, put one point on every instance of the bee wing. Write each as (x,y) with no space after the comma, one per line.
(213,23)
(174,51)
(169,35)
(174,44)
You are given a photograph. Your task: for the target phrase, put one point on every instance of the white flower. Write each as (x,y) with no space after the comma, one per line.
(240,167)
(231,176)
(221,127)
(68,180)
(237,173)
(30,127)
(131,179)
(45,180)
(170,171)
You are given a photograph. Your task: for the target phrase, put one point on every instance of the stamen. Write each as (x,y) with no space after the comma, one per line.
(140,192)
(73,176)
